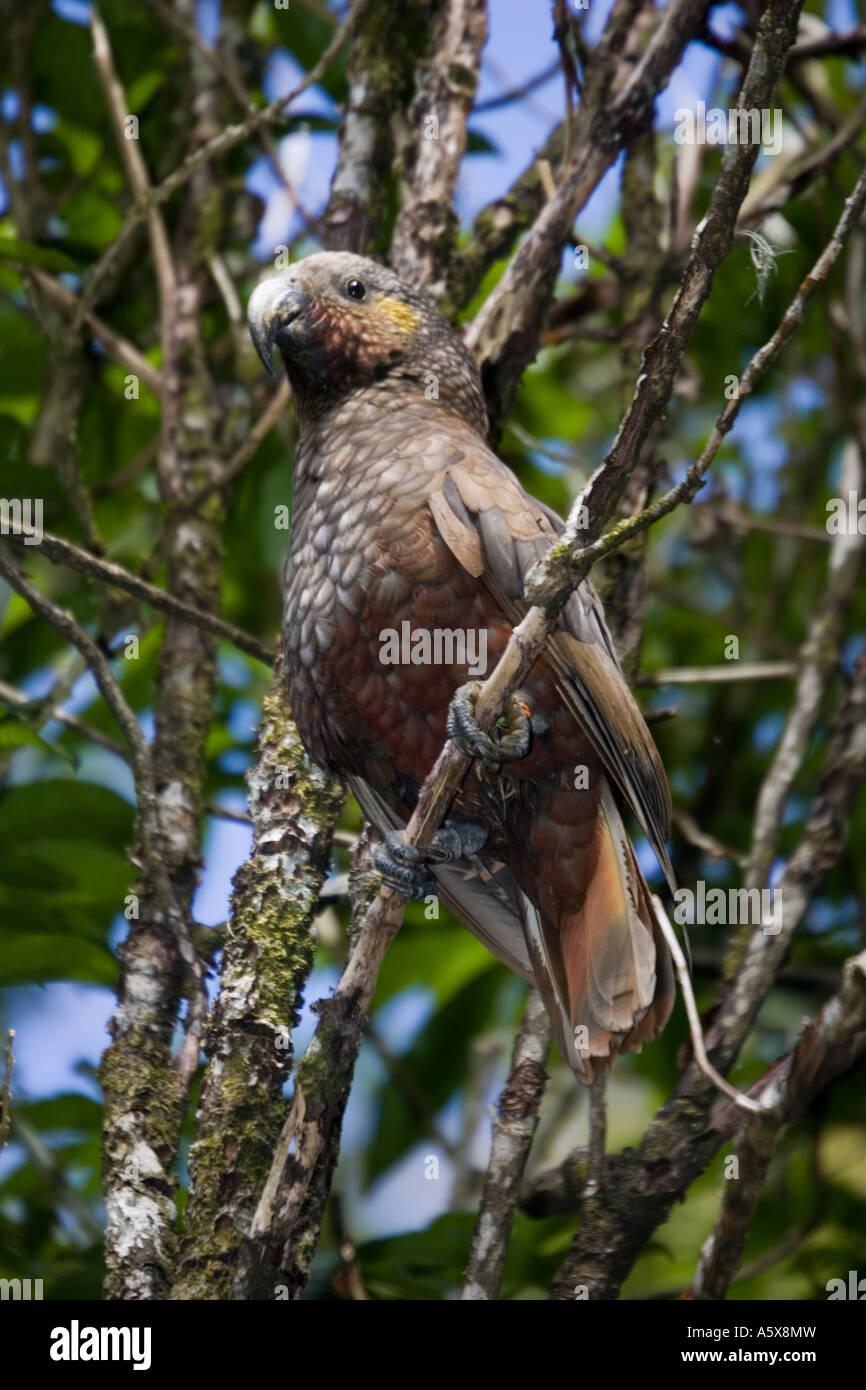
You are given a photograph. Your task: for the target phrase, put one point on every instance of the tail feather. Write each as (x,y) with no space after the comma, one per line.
(604,971)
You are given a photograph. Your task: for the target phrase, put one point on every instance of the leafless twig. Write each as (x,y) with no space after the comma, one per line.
(513,1131)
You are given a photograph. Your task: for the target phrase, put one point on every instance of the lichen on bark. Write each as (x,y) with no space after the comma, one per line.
(266,960)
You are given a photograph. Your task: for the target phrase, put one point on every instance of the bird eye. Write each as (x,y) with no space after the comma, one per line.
(354,289)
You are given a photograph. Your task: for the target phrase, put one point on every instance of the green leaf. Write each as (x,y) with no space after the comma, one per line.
(24,252)
(436,1063)
(64,809)
(14,733)
(442,956)
(64,875)
(68,1111)
(38,957)
(420,1264)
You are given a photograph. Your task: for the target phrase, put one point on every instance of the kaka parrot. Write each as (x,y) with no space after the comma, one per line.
(405,522)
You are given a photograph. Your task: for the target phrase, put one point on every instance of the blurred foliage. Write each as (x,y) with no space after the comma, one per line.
(65,812)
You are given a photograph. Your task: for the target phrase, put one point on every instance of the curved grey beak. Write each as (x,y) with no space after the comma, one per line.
(274,305)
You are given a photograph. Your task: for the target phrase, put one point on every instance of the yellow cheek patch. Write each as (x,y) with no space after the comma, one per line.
(395,312)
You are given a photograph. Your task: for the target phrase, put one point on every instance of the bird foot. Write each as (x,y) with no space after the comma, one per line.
(404,866)
(511,730)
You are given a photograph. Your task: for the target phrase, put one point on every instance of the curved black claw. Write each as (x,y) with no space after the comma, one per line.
(412,881)
(404,866)
(511,740)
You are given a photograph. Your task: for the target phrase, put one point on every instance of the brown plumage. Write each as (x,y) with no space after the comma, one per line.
(402,513)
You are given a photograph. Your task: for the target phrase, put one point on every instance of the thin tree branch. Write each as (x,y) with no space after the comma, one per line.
(378,72)
(269,417)
(140,758)
(114,343)
(819,847)
(6,1089)
(664,354)
(66,625)
(152,841)
(819,658)
(233,82)
(56,1177)
(730,513)
(723,1250)
(227,139)
(517,93)
(695,1030)
(136,171)
(827,1046)
(504,334)
(715,675)
(802,173)
(427,224)
(547,573)
(44,715)
(708,844)
(63,552)
(513,1131)
(498,225)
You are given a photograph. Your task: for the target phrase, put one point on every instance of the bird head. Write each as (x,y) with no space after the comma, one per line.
(342,322)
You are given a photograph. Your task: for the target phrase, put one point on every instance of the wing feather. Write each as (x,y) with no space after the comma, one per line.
(478,494)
